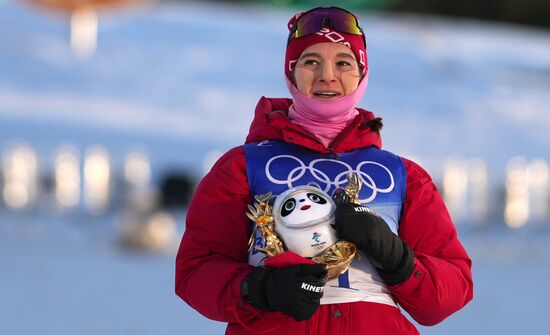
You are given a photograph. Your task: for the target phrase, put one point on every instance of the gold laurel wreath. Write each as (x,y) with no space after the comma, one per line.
(261,213)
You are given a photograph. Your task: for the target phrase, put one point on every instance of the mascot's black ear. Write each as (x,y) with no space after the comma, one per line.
(314,184)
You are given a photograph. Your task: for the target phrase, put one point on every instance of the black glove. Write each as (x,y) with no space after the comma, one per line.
(295,290)
(391,256)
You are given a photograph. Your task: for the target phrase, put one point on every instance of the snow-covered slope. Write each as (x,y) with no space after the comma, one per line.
(191,74)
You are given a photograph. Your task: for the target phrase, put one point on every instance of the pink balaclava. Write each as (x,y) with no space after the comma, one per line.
(324,119)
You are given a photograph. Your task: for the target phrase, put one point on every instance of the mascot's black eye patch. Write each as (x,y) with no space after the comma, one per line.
(288,207)
(316,198)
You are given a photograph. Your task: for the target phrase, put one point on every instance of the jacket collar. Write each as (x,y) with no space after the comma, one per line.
(271,123)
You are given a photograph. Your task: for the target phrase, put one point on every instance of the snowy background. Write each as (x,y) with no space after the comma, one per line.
(180,81)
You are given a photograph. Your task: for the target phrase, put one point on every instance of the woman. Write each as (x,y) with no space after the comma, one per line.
(412,257)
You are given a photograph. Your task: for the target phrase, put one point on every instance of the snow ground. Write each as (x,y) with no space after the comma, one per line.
(166,78)
(189,75)
(70,277)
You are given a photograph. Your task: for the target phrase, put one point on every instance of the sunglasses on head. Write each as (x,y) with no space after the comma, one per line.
(335,18)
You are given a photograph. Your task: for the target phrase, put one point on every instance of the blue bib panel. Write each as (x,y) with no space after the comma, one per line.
(276,166)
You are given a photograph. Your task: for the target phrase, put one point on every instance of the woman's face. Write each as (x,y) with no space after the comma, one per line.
(327,71)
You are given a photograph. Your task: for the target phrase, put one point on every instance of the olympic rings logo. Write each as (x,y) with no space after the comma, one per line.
(339,180)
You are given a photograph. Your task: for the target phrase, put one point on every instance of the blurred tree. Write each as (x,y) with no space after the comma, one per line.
(530,12)
(348,4)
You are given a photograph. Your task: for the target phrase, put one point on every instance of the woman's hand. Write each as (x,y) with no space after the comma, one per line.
(391,256)
(295,290)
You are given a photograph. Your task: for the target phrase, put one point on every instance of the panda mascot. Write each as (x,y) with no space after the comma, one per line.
(304,216)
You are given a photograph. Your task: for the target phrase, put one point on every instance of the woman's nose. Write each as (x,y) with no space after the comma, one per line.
(326,73)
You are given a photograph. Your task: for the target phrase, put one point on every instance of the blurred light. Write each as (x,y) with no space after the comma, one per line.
(67,177)
(516,210)
(455,183)
(84,22)
(96,179)
(156,232)
(477,187)
(20,177)
(161,231)
(137,169)
(16,195)
(539,190)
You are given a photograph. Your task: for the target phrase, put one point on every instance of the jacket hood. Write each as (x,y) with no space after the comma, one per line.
(271,123)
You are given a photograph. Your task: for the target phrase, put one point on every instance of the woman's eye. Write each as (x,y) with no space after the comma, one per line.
(343,63)
(311,62)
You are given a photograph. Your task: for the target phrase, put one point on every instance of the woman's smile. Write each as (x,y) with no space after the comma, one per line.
(327,94)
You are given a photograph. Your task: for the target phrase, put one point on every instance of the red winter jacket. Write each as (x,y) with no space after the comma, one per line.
(212,258)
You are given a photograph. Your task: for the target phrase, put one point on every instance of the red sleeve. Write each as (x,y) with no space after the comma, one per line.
(441,282)
(213,254)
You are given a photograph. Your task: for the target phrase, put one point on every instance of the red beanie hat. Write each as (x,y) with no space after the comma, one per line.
(297,45)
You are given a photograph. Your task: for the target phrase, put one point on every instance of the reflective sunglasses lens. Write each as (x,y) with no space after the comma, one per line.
(339,20)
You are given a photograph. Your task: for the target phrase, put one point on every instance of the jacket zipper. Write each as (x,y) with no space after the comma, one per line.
(329,149)
(339,138)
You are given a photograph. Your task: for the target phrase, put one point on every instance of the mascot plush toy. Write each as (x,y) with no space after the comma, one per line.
(304,216)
